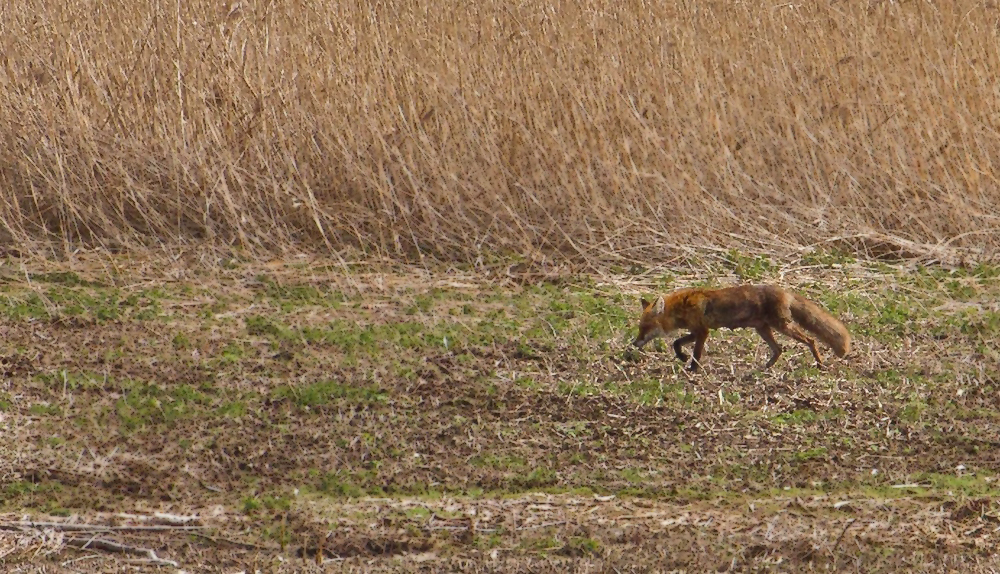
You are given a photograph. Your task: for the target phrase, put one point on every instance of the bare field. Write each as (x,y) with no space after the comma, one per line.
(316,417)
(597,130)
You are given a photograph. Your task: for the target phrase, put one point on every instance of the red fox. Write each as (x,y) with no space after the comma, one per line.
(761,307)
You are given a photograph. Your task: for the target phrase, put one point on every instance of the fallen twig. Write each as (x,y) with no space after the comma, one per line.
(237,543)
(836,544)
(73,527)
(459,528)
(161,518)
(112,546)
(543,525)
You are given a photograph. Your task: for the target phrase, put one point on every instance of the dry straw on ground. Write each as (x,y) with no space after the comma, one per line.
(609,130)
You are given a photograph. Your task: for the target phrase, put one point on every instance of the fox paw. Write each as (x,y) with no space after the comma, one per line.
(693,367)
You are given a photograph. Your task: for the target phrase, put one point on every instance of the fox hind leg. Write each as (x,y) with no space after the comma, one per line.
(679,343)
(792,330)
(768,336)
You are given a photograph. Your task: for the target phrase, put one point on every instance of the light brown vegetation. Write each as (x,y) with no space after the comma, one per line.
(599,129)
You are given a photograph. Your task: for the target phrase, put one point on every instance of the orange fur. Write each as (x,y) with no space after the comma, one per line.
(766,308)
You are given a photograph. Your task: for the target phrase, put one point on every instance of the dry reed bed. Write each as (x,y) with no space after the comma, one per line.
(597,129)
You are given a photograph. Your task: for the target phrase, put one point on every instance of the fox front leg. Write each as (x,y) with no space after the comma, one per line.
(679,344)
(699,349)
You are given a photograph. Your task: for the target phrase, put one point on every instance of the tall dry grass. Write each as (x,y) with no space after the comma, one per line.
(600,129)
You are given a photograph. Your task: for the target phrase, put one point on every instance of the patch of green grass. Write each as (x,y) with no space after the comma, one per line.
(19,308)
(279,532)
(527,383)
(804,370)
(418,512)
(605,316)
(540,544)
(890,378)
(20,488)
(232,409)
(231,354)
(979,323)
(101,305)
(70,296)
(322,393)
(494,540)
(251,504)
(840,303)
(181,341)
(421,304)
(25,494)
(45,410)
(960,485)
(53,508)
(985,271)
(913,410)
(827,259)
(343,334)
(269,327)
(144,405)
(539,477)
(796,417)
(652,391)
(582,546)
(809,454)
(71,380)
(374,340)
(276,502)
(66,278)
(956,282)
(575,429)
(294,295)
(407,335)
(633,475)
(961,289)
(344,484)
(893,318)
(145,305)
(749,268)
(578,389)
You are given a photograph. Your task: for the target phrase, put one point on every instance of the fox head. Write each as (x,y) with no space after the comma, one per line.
(651,322)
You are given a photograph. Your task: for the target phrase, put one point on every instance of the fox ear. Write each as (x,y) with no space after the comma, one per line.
(644,304)
(659,305)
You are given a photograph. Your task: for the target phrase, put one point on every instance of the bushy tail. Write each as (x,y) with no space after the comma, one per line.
(822,324)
